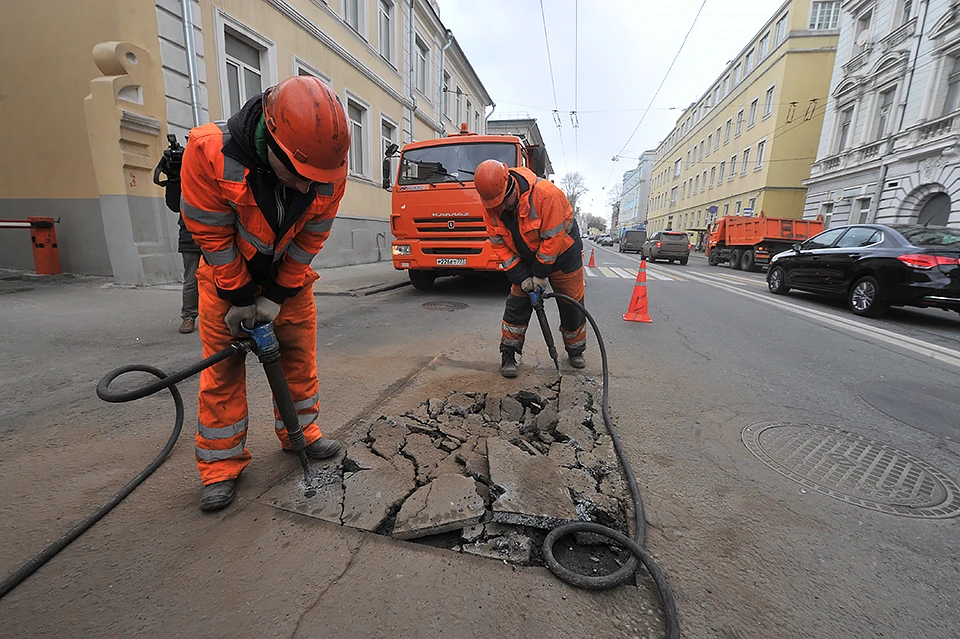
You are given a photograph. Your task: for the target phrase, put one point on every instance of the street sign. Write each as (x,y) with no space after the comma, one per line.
(748,212)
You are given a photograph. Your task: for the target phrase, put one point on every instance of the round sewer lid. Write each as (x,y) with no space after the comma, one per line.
(444,306)
(854,469)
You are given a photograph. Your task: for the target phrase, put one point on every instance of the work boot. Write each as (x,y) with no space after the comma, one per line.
(218,495)
(577,361)
(187,325)
(508,364)
(323,448)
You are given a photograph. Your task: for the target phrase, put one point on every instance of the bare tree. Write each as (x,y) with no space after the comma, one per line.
(615,194)
(591,221)
(574,185)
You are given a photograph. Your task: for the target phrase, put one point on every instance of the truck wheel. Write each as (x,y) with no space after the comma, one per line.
(684,260)
(712,259)
(735,256)
(777,281)
(748,261)
(864,298)
(422,280)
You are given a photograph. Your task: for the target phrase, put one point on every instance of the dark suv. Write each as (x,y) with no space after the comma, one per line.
(632,241)
(667,245)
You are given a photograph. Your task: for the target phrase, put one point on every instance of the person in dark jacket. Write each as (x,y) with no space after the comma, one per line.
(191,260)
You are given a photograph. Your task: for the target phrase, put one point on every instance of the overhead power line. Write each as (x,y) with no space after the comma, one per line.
(553,83)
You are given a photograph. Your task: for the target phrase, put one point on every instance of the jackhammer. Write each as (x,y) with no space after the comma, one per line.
(260,340)
(536,298)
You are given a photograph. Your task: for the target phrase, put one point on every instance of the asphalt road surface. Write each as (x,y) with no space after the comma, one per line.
(785,541)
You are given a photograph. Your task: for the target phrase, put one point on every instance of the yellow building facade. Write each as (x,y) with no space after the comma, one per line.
(92,88)
(747,144)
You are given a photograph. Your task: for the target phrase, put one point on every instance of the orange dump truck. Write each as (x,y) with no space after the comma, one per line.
(436,215)
(748,243)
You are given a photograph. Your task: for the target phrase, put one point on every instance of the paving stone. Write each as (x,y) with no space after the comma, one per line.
(459,404)
(563,453)
(472,533)
(447,503)
(514,548)
(571,428)
(510,409)
(370,495)
(546,420)
(434,407)
(533,490)
(491,409)
(475,461)
(387,438)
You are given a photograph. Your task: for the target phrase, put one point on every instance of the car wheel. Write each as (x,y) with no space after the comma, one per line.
(684,260)
(735,256)
(422,280)
(777,281)
(864,298)
(641,255)
(748,261)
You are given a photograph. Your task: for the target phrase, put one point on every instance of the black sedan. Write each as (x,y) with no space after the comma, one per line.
(875,267)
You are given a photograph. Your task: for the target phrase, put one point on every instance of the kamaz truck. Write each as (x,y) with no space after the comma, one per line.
(436,216)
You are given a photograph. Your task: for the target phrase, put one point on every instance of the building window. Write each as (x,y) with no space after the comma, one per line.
(723,168)
(733,167)
(768,102)
(709,144)
(358,115)
(843,135)
(688,160)
(739,123)
(244,75)
(677,166)
(716,95)
(952,101)
(700,156)
(883,111)
(388,136)
(737,74)
(351,13)
(864,211)
(746,162)
(761,147)
(780,30)
(713,175)
(466,114)
(726,209)
(726,86)
(703,182)
(825,15)
(737,206)
(446,95)
(696,184)
(764,45)
(673,196)
(906,11)
(826,210)
(860,43)
(476,122)
(754,106)
(420,72)
(751,205)
(748,62)
(302,68)
(459,106)
(385,25)
(726,136)
(716,140)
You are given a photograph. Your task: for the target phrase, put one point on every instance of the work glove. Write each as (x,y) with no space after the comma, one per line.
(267,310)
(539,282)
(527,285)
(237,314)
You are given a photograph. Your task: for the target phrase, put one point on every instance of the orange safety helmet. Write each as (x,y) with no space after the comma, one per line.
(491,181)
(307,121)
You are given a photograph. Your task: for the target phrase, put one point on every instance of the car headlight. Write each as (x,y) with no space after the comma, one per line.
(401,249)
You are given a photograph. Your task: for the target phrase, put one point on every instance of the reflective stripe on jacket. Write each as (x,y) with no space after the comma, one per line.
(546,225)
(219,207)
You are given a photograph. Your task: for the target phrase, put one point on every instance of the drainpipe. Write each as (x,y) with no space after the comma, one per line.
(487,116)
(443,97)
(193,73)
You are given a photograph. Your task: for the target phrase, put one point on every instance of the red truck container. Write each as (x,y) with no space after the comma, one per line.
(747,243)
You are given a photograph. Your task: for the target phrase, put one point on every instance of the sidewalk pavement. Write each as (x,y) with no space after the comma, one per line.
(359,280)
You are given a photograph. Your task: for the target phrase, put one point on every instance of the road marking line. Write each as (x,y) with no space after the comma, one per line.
(607,272)
(917,346)
(622,272)
(590,272)
(734,278)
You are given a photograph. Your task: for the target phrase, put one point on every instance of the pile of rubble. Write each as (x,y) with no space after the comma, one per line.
(483,474)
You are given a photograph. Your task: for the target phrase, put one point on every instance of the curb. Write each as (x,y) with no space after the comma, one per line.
(364,291)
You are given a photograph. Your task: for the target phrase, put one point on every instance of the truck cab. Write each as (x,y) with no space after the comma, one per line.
(436,216)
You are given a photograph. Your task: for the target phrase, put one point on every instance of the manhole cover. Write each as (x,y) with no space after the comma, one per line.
(854,469)
(444,306)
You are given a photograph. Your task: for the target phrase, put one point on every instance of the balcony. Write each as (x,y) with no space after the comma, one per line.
(859,61)
(898,37)
(851,158)
(942,132)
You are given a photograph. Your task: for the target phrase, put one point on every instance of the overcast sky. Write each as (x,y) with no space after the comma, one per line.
(625,48)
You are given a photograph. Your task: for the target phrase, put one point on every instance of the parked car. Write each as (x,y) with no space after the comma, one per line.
(875,267)
(667,245)
(632,241)
(604,240)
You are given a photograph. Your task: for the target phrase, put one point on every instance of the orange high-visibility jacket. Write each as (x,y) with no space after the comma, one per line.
(220,209)
(545,224)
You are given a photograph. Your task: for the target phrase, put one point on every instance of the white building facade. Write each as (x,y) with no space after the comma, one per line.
(888,149)
(636,192)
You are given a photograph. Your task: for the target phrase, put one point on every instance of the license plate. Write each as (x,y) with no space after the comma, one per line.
(451,261)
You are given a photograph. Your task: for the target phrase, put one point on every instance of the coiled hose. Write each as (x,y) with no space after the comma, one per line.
(103,392)
(635,546)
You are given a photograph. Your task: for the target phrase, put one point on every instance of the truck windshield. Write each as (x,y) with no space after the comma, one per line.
(451,162)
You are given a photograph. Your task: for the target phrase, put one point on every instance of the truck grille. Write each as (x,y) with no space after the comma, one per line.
(433,227)
(452,251)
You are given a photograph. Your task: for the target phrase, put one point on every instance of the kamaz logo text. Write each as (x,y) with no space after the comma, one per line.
(450,214)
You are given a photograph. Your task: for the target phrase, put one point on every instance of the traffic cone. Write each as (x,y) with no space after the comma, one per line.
(638,302)
(592,264)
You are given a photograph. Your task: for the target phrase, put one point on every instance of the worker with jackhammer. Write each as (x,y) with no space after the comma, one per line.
(531,225)
(259,195)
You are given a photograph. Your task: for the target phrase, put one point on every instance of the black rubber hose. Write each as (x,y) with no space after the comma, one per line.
(635,546)
(103,392)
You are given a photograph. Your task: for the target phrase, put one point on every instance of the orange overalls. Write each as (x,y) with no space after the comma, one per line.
(540,239)
(245,255)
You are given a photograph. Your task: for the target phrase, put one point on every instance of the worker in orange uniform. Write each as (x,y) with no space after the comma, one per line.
(531,226)
(259,195)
